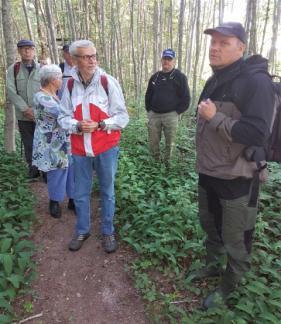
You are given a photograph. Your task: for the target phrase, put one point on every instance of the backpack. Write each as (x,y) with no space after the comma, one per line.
(273,149)
(103,80)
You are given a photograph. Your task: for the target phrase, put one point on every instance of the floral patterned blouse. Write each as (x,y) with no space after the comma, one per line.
(51,144)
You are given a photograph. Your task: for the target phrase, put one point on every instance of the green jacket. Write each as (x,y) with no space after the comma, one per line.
(27,85)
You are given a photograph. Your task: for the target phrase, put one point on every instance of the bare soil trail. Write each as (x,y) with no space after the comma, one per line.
(86,287)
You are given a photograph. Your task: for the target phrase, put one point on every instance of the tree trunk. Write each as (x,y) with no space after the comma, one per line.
(180,32)
(197,53)
(253,30)
(155,36)
(265,25)
(9,123)
(275,26)
(28,24)
(41,37)
(47,30)
(71,20)
(52,30)
(221,11)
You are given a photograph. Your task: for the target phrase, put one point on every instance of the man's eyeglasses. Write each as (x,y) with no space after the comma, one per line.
(87,57)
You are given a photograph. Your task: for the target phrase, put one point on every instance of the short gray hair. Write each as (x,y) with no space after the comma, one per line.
(48,73)
(82,43)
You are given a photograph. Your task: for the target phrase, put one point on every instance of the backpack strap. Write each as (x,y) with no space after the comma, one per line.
(61,65)
(103,79)
(16,72)
(70,83)
(104,83)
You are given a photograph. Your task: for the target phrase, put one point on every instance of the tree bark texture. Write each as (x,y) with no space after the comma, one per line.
(9,123)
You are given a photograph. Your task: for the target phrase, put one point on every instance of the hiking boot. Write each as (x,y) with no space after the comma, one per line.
(77,241)
(214,299)
(33,172)
(71,205)
(55,210)
(205,272)
(109,243)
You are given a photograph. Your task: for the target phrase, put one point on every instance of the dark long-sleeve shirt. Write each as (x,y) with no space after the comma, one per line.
(167,92)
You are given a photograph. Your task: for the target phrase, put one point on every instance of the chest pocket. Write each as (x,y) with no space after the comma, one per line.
(229,109)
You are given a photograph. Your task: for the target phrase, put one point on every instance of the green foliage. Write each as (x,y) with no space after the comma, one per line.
(157,216)
(16,217)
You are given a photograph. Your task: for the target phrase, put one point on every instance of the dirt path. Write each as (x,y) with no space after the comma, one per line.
(85,287)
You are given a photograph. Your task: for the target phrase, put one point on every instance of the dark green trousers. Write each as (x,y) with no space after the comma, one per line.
(229,225)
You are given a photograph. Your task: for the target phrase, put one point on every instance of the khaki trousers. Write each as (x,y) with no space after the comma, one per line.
(166,123)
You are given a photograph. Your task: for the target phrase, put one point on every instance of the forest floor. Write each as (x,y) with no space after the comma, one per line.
(86,287)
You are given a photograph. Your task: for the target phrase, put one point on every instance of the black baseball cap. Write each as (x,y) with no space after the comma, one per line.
(229,29)
(25,42)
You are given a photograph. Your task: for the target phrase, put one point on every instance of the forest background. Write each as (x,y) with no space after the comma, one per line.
(164,230)
(130,36)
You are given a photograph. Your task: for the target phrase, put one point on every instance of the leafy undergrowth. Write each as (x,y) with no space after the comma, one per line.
(157,216)
(16,218)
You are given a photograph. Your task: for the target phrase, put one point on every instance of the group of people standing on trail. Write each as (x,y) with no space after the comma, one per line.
(80,133)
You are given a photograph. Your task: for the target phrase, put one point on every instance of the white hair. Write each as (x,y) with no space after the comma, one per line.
(48,73)
(82,43)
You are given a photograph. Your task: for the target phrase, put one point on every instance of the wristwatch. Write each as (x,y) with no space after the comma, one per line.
(102,124)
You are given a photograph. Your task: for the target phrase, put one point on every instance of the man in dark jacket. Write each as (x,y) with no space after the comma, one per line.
(167,97)
(234,114)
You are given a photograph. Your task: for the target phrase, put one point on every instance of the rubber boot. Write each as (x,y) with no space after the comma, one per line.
(205,272)
(221,294)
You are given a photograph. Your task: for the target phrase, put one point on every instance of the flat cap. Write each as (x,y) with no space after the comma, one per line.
(25,42)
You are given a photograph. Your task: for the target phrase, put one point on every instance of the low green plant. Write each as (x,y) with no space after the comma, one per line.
(16,218)
(157,216)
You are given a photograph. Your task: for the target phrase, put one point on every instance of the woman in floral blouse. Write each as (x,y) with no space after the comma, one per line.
(51,145)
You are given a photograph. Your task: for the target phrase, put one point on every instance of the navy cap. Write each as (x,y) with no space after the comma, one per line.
(25,42)
(65,48)
(229,29)
(169,53)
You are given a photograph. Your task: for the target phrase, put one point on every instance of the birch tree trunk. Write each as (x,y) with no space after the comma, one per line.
(180,32)
(265,26)
(253,29)
(71,20)
(197,53)
(28,24)
(221,11)
(155,36)
(52,30)
(9,123)
(275,26)
(47,30)
(41,36)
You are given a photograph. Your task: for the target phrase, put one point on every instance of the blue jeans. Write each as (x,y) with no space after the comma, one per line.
(105,165)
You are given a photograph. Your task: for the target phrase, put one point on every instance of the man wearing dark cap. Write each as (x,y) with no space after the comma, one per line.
(234,116)
(167,97)
(22,83)
(66,67)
